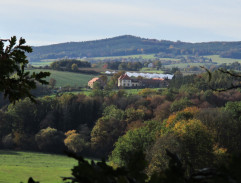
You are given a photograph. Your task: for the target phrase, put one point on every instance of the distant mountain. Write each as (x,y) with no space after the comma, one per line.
(129,45)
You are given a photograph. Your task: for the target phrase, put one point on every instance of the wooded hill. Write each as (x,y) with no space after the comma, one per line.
(129,45)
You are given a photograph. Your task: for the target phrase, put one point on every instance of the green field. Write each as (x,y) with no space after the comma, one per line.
(18,166)
(41,63)
(151,70)
(82,92)
(128,91)
(136,91)
(144,56)
(67,78)
(220,60)
(184,65)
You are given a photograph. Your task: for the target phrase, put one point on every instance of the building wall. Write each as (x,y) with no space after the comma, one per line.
(141,83)
(91,84)
(124,83)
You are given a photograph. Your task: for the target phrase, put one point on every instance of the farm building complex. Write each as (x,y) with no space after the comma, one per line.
(124,81)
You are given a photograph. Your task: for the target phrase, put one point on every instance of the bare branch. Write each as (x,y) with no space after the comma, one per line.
(230,73)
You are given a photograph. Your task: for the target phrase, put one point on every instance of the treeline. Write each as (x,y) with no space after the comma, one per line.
(132,66)
(129,66)
(41,126)
(128,45)
(236,66)
(232,53)
(69,65)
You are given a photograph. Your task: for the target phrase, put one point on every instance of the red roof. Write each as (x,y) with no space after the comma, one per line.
(161,79)
(93,80)
(124,76)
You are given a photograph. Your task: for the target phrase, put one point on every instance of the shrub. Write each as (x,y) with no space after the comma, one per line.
(50,140)
(8,141)
(24,141)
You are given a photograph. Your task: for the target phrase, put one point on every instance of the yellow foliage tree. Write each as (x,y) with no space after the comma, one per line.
(197,141)
(74,142)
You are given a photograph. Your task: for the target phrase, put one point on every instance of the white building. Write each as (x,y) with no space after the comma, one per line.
(124,81)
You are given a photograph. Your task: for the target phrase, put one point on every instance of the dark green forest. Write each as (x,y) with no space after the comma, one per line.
(130,45)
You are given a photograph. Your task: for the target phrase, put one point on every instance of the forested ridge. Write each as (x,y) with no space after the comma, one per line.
(129,45)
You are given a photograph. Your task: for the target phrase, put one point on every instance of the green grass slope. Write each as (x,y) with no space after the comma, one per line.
(18,166)
(144,56)
(220,60)
(67,78)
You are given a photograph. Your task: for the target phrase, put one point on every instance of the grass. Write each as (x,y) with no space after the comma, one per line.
(128,91)
(16,166)
(67,78)
(136,91)
(41,63)
(144,56)
(169,59)
(86,92)
(220,60)
(151,70)
(184,65)
(132,91)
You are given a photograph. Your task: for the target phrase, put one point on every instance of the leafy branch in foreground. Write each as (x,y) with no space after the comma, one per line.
(134,172)
(228,73)
(15,83)
(101,172)
(235,75)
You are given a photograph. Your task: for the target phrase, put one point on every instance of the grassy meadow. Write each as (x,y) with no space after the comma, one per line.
(220,60)
(41,63)
(16,166)
(184,65)
(151,70)
(67,78)
(136,91)
(144,56)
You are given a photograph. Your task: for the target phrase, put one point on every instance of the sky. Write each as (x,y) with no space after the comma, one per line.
(55,21)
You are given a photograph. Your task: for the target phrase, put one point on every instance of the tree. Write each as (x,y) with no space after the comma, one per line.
(103,80)
(196,142)
(52,82)
(158,64)
(114,79)
(134,141)
(74,67)
(26,117)
(50,140)
(74,141)
(15,83)
(178,105)
(108,129)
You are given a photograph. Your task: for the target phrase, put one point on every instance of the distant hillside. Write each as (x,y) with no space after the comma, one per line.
(129,45)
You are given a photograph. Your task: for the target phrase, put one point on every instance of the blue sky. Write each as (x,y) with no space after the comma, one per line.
(55,21)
